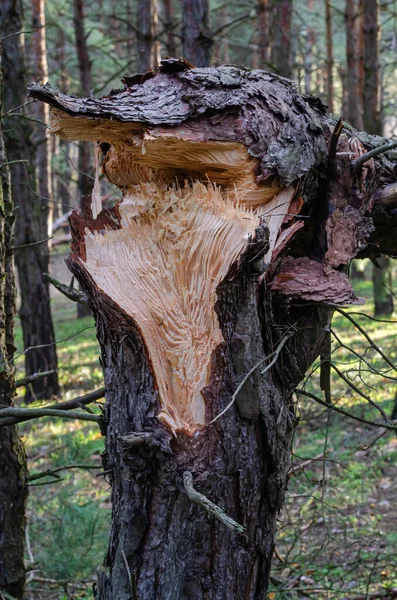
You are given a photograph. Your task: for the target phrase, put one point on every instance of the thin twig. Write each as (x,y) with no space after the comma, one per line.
(210,507)
(274,356)
(345,412)
(36,413)
(53,472)
(359,162)
(33,243)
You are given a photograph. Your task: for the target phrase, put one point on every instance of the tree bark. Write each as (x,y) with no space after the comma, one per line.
(31,261)
(204,337)
(281,46)
(13,470)
(197,39)
(353,85)
(169,24)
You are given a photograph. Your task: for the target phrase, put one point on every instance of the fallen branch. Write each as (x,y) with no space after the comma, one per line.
(69,292)
(345,412)
(34,377)
(209,506)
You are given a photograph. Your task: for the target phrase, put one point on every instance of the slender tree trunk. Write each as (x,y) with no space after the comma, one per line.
(353,85)
(263,12)
(32,261)
(372,83)
(330,56)
(85,181)
(171,40)
(382,285)
(197,37)
(281,46)
(13,470)
(148,49)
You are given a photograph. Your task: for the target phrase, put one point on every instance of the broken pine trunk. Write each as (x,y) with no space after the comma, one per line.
(212,284)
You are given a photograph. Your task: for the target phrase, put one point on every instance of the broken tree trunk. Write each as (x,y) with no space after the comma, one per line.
(213,283)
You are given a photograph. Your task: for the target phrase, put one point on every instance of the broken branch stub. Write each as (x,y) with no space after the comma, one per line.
(203,158)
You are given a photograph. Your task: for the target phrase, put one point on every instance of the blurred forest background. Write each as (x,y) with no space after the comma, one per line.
(337,535)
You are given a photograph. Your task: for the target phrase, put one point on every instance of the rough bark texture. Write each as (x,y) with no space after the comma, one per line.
(160,542)
(32,261)
(197,39)
(13,471)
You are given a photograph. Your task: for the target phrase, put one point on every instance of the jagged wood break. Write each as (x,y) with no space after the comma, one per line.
(189,210)
(196,185)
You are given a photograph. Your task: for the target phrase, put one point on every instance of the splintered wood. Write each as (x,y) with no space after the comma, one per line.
(178,238)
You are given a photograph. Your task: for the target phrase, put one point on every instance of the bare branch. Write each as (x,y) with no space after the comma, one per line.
(34,377)
(209,506)
(345,412)
(35,413)
(54,472)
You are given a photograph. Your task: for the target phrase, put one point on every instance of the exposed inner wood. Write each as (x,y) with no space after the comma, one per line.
(188,212)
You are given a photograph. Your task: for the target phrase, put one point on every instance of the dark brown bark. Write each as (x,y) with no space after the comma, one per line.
(353,84)
(330,56)
(85,163)
(372,83)
(281,45)
(197,39)
(13,471)
(161,542)
(32,262)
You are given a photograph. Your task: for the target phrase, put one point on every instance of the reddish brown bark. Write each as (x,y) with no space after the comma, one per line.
(353,81)
(148,49)
(372,83)
(263,12)
(281,45)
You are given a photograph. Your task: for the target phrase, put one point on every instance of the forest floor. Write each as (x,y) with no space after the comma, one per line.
(337,536)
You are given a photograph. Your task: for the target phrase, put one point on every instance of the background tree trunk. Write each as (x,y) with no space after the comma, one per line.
(13,470)
(281,46)
(372,83)
(148,51)
(354,90)
(263,12)
(383,285)
(330,57)
(197,38)
(32,261)
(85,180)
